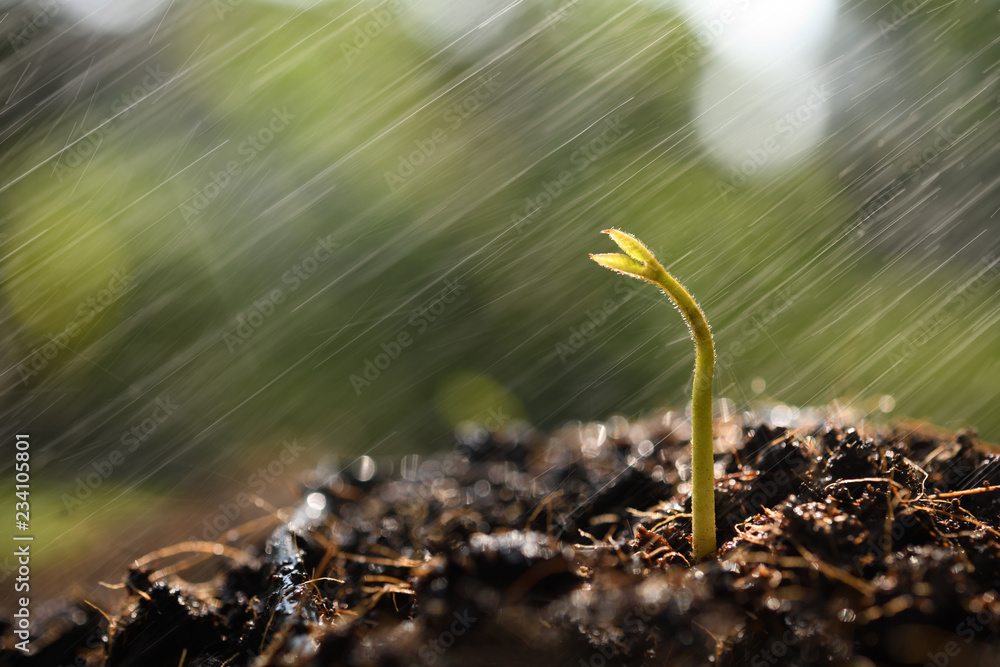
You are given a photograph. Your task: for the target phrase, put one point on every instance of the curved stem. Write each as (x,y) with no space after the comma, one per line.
(702,460)
(640,263)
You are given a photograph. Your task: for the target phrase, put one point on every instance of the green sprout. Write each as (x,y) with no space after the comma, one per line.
(639,262)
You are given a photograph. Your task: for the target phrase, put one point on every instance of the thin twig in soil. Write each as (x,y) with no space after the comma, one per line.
(210,548)
(967,492)
(841,482)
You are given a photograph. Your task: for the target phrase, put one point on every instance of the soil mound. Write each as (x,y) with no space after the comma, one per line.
(573,549)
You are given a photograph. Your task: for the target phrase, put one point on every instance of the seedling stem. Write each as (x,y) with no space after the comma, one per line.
(639,262)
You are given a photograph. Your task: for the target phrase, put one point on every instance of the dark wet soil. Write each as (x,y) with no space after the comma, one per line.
(522,548)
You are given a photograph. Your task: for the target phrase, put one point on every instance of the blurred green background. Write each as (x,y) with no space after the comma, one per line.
(358,225)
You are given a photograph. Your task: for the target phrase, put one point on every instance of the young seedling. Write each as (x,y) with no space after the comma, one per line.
(639,262)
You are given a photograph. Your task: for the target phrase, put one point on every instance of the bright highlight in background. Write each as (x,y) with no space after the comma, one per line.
(114,15)
(757,33)
(752,125)
(764,100)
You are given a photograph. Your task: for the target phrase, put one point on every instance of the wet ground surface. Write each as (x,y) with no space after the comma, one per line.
(573,549)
